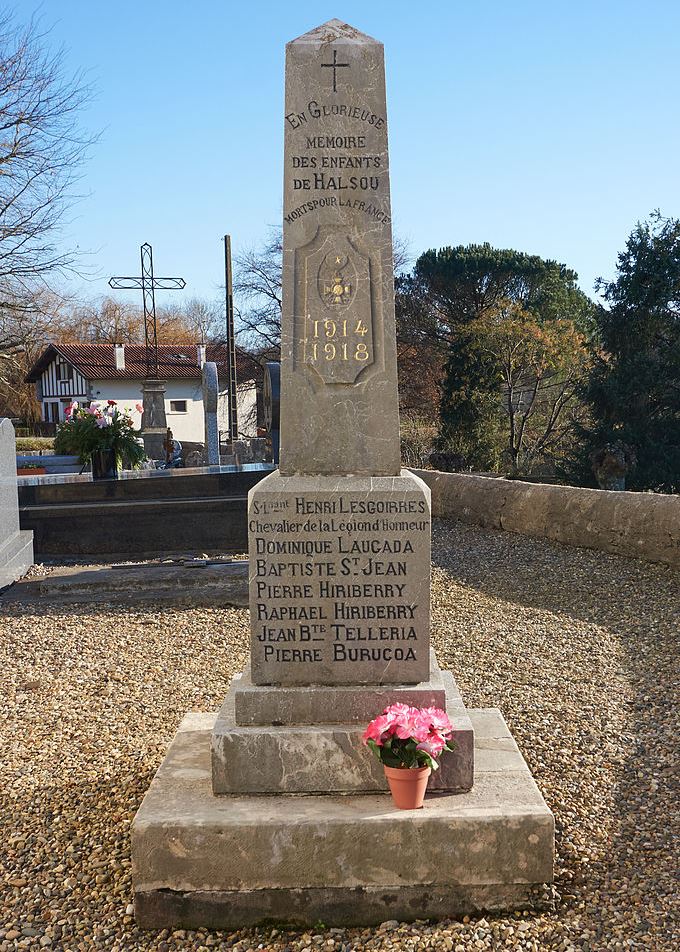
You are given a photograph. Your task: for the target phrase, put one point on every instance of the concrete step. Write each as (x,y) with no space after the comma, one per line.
(203,582)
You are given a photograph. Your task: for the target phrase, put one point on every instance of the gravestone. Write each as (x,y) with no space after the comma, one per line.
(154,420)
(339,579)
(16,545)
(271,400)
(211,391)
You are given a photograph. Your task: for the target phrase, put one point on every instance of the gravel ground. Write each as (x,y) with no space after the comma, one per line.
(577,648)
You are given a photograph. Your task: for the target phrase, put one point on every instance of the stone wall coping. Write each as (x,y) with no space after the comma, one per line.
(641,525)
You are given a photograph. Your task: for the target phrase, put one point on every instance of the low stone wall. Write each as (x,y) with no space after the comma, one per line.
(644,525)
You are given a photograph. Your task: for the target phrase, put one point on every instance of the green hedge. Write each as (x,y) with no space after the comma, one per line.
(34,443)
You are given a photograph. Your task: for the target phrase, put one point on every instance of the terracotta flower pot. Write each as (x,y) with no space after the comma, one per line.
(407,785)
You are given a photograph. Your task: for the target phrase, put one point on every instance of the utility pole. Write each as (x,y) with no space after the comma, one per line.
(230,340)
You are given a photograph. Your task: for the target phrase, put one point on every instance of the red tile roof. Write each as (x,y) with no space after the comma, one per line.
(175,361)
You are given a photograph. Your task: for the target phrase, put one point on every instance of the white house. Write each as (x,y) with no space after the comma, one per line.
(84,372)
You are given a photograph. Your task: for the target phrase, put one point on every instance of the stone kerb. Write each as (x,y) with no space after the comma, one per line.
(641,525)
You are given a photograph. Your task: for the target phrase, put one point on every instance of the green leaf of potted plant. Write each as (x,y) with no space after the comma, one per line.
(101,434)
(408,741)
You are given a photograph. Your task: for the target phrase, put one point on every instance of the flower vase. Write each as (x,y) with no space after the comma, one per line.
(104,465)
(407,785)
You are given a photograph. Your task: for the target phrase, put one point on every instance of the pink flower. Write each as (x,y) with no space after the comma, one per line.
(139,408)
(438,719)
(376,729)
(433,746)
(406,725)
(396,710)
(422,726)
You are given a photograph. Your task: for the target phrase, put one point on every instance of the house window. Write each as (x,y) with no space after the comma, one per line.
(178,406)
(64,372)
(51,412)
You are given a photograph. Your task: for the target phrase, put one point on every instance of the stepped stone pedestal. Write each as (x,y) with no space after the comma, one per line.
(313,744)
(233,861)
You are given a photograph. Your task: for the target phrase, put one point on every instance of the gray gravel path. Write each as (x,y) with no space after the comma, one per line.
(578,649)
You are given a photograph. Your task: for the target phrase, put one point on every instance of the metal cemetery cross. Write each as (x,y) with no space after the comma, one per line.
(335,66)
(148,284)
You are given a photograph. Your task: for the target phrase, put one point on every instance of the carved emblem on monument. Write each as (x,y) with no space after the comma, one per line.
(333,287)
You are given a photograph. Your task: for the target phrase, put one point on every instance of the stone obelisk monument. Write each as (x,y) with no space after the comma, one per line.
(273,809)
(339,536)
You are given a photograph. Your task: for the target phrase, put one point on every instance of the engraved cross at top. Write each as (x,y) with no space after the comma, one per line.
(335,66)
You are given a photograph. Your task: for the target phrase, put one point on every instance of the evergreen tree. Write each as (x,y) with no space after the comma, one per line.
(634,388)
(449,291)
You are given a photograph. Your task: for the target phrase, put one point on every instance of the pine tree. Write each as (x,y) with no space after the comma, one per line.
(634,388)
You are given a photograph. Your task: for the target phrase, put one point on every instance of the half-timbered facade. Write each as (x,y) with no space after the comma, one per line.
(85,372)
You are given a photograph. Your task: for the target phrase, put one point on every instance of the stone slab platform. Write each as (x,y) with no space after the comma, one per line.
(267,705)
(327,758)
(226,862)
(174,584)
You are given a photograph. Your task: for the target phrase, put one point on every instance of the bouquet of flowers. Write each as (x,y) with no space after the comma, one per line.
(102,425)
(411,737)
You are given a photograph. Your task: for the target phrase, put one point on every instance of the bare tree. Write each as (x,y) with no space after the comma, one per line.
(257,287)
(202,317)
(41,149)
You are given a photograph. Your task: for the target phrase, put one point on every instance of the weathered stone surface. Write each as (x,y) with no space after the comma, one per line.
(167,583)
(234,859)
(324,704)
(211,391)
(16,546)
(339,580)
(338,353)
(337,906)
(329,758)
(154,420)
(642,525)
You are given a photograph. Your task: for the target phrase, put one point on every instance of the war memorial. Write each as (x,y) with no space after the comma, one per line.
(272,809)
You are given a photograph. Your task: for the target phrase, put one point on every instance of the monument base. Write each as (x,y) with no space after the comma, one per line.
(306,749)
(153,443)
(231,861)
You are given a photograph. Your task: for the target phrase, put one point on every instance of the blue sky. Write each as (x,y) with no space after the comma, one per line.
(547,127)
